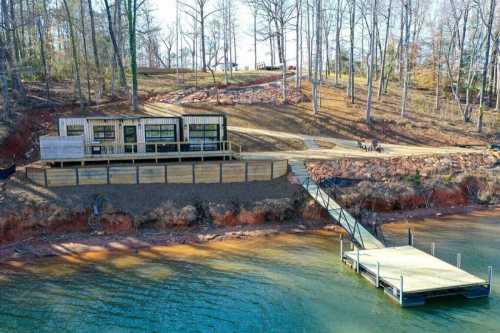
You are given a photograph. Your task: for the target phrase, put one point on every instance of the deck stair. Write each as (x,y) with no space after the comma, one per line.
(359,235)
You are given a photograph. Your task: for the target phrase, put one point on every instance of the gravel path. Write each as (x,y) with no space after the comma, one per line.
(343,148)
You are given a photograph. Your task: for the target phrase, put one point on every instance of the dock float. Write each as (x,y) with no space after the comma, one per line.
(408,275)
(411,276)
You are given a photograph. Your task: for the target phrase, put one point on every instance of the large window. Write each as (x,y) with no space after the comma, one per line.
(205,133)
(208,134)
(159,134)
(74,130)
(105,132)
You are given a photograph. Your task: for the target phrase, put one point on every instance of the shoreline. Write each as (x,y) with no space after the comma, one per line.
(33,249)
(422,213)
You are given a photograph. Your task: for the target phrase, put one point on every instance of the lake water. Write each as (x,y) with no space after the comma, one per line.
(283,283)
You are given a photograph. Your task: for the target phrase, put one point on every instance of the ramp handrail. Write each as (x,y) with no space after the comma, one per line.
(356,231)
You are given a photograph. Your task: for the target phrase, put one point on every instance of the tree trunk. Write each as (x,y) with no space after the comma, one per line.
(6,97)
(43,59)
(384,54)
(84,39)
(317,57)
(309,42)
(491,84)
(406,84)
(439,46)
(352,23)
(202,28)
(337,44)
(131,16)
(371,70)
(100,76)
(298,4)
(485,66)
(283,56)
(116,49)
(76,63)
(255,38)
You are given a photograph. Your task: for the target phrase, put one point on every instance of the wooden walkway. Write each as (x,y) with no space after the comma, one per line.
(408,275)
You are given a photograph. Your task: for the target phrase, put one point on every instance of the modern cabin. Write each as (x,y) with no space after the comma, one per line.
(137,138)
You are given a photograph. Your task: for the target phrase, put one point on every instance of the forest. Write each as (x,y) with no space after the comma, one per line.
(56,53)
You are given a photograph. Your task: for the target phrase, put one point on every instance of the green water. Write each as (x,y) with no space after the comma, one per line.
(286,283)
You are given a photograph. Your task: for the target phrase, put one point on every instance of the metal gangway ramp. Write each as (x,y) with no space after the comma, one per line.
(408,275)
(362,237)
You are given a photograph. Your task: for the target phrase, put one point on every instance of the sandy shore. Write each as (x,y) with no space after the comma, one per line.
(32,249)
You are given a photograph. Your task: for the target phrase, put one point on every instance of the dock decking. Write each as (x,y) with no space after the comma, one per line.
(411,276)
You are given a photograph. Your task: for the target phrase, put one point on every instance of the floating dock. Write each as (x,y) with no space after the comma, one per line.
(411,276)
(408,275)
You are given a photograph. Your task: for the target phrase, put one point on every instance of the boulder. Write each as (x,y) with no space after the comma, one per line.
(116,223)
(223,214)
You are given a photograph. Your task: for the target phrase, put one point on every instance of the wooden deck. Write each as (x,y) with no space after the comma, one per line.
(411,276)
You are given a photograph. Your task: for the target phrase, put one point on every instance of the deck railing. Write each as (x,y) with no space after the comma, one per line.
(159,148)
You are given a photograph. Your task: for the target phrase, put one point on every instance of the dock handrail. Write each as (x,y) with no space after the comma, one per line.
(357,233)
(341,213)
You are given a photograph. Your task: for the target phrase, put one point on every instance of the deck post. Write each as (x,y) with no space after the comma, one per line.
(459,260)
(401,284)
(377,282)
(433,249)
(410,237)
(490,279)
(357,259)
(341,248)
(45,179)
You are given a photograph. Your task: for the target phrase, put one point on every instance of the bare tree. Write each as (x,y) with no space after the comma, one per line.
(384,54)
(352,23)
(371,70)
(116,49)
(489,24)
(100,76)
(315,92)
(406,49)
(74,52)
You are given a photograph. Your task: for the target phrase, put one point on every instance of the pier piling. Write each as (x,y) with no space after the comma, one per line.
(401,282)
(341,248)
(490,279)
(377,281)
(357,260)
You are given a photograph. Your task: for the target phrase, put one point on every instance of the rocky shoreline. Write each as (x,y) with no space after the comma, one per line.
(30,250)
(409,184)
